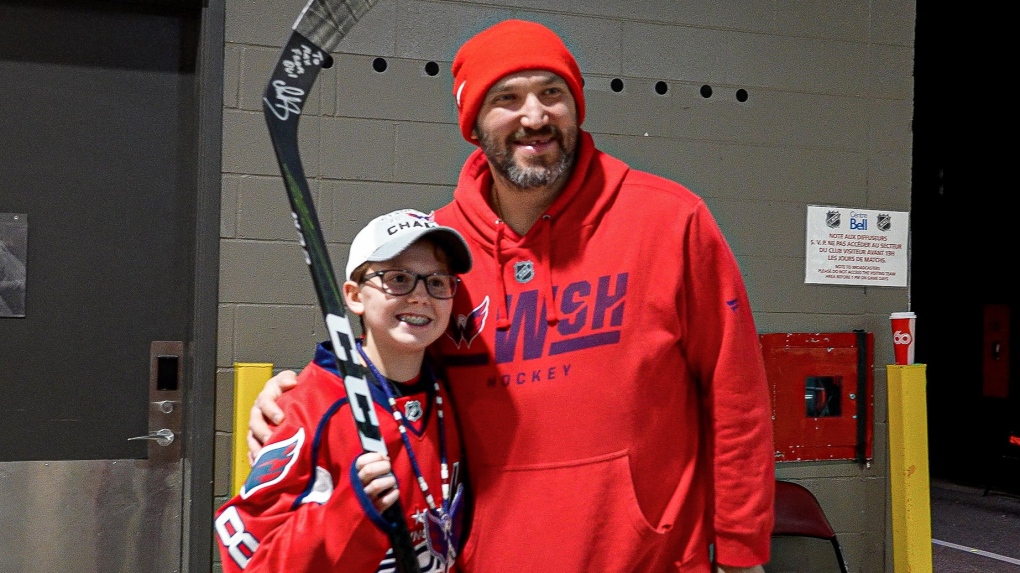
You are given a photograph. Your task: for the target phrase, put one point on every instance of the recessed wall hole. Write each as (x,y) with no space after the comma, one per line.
(661,88)
(431,68)
(741,95)
(706,91)
(616,85)
(379,65)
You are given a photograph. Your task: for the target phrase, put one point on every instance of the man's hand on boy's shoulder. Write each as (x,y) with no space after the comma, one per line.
(265,414)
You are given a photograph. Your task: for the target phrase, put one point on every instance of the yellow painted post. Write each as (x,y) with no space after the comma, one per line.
(249,378)
(908,469)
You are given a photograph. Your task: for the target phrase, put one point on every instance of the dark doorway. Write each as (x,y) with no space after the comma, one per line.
(964,242)
(99,152)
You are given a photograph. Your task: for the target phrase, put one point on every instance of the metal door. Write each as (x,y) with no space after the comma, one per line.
(995,353)
(96,148)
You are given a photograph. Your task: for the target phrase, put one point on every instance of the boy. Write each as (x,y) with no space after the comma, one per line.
(313,500)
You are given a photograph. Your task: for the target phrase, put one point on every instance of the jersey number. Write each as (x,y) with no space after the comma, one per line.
(240,544)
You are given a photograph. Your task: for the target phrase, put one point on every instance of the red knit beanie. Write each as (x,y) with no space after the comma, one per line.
(509,47)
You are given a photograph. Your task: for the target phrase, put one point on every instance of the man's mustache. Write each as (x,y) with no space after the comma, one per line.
(542,132)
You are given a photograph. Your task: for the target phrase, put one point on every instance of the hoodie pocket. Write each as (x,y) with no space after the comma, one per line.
(581,515)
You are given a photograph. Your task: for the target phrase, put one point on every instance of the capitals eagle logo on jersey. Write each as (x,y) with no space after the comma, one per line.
(273,463)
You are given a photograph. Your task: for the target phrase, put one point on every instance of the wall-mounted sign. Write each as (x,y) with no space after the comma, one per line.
(856,246)
(13,256)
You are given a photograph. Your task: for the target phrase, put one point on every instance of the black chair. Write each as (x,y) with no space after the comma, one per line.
(798,514)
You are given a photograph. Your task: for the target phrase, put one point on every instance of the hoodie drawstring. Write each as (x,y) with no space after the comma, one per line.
(552,312)
(545,272)
(502,311)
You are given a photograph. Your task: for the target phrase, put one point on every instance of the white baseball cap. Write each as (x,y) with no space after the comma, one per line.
(388,235)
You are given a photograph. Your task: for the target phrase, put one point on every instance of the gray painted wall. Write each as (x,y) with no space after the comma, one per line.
(826,121)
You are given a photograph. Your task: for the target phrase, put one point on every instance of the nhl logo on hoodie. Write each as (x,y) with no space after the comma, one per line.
(524,271)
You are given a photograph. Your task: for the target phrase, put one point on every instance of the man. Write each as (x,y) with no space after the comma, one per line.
(602,356)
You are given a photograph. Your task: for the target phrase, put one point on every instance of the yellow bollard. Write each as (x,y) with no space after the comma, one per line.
(908,469)
(249,378)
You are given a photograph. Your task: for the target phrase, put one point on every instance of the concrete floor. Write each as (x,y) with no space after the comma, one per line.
(972,532)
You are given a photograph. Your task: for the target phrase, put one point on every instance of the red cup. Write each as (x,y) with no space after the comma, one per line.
(903,336)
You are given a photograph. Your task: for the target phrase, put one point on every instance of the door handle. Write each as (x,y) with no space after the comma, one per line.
(165,406)
(163,437)
(166,401)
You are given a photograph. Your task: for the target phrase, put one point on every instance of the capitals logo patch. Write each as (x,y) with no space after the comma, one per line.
(465,327)
(442,534)
(273,463)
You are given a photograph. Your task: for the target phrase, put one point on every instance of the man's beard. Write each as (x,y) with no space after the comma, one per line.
(539,173)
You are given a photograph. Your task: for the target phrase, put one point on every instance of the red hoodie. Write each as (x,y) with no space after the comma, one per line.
(606,372)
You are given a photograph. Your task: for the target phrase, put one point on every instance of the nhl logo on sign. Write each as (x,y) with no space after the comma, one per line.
(524,271)
(412,410)
(832,219)
(884,221)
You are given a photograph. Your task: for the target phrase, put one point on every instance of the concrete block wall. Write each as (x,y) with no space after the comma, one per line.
(811,103)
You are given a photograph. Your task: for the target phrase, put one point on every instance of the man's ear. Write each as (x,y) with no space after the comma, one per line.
(352,298)
(474,132)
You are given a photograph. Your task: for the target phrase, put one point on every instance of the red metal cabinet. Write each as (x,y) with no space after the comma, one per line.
(822,394)
(995,356)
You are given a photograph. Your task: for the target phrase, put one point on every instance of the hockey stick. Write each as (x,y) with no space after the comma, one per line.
(318,30)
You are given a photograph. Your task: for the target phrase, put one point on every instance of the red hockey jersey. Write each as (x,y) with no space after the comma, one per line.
(302,508)
(609,381)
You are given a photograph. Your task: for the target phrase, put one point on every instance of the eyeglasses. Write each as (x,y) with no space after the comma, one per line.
(400,282)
